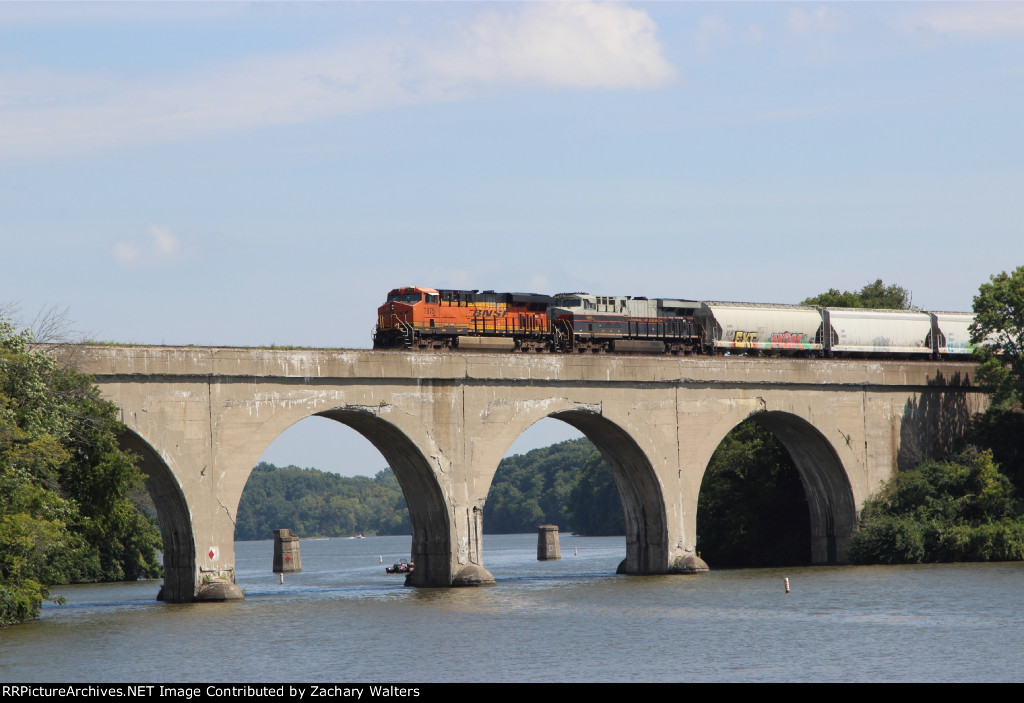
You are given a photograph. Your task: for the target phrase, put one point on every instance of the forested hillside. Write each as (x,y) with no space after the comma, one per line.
(320,504)
(566,484)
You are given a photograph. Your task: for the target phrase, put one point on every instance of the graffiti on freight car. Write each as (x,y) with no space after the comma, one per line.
(745,339)
(777,340)
(790,340)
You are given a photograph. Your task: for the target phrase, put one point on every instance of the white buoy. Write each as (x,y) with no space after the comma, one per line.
(381,558)
(575,551)
(787,585)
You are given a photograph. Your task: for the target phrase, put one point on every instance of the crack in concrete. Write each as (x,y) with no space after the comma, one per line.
(226,511)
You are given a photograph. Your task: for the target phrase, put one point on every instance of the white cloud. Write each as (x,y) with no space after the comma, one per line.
(574,44)
(978,19)
(126,254)
(820,20)
(547,45)
(711,30)
(164,245)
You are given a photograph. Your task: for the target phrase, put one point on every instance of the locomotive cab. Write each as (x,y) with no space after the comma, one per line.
(406,311)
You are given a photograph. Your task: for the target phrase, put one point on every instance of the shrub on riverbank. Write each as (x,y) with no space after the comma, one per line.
(961,510)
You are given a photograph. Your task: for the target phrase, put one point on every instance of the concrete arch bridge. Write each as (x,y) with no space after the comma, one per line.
(202,417)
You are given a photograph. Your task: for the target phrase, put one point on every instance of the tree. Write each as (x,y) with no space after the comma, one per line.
(594,504)
(65,511)
(998,335)
(873,295)
(534,488)
(961,510)
(753,510)
(320,504)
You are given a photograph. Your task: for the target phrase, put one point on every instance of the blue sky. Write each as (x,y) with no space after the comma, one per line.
(263,173)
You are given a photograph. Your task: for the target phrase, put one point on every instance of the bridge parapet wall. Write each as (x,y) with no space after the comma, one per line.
(108,361)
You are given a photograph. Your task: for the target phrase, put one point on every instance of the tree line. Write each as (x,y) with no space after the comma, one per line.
(566,484)
(315,503)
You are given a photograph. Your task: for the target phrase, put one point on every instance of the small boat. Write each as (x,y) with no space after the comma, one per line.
(402,567)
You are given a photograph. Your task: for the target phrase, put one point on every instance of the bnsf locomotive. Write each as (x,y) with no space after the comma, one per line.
(425,318)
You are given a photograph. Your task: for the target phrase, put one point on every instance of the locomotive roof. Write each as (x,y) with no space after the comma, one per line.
(421,289)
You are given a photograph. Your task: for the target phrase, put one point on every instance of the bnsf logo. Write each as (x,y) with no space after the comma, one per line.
(477,314)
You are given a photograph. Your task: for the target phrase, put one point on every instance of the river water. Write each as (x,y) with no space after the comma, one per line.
(343,620)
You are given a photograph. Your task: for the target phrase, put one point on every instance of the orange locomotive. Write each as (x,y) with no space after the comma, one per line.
(424,318)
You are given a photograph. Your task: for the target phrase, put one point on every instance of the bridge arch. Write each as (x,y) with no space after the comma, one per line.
(825,479)
(174,517)
(635,477)
(428,510)
(421,484)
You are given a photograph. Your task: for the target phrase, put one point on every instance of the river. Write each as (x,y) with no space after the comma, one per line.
(343,620)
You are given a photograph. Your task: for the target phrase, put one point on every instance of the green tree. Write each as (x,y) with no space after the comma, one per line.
(1000,430)
(316,503)
(832,298)
(534,488)
(998,335)
(65,511)
(594,504)
(962,510)
(752,509)
(873,295)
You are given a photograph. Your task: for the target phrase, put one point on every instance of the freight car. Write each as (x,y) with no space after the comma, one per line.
(424,318)
(852,332)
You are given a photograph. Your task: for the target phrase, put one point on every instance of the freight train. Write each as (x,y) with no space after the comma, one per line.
(415,317)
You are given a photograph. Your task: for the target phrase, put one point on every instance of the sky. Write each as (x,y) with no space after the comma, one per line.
(263,173)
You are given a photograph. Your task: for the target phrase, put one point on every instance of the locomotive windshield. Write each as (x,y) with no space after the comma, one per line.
(410,298)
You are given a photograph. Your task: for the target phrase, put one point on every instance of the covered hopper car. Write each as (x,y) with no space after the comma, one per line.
(426,318)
